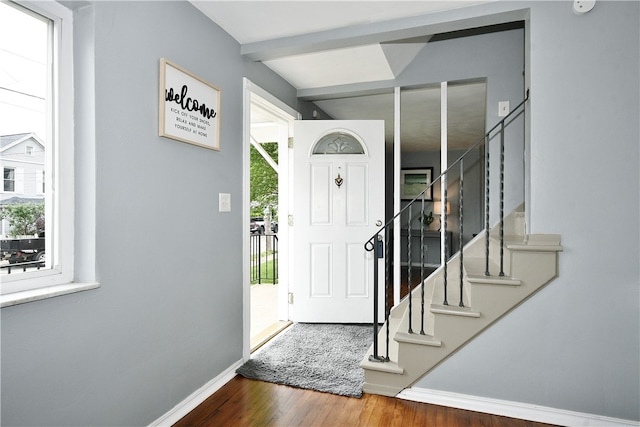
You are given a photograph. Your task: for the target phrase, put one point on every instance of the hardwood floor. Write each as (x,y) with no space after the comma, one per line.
(244,402)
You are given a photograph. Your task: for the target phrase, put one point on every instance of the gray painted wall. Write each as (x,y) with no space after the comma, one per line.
(575,345)
(168,317)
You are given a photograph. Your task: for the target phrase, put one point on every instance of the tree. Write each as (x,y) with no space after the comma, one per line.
(25,219)
(263,181)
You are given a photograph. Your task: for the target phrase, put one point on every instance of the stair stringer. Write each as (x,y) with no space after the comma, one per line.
(531,263)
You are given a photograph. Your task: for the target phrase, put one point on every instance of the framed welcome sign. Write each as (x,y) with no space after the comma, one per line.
(189,107)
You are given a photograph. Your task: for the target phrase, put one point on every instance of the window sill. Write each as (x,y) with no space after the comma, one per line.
(23,297)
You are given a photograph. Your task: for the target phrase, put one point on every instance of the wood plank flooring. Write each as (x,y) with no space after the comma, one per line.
(244,402)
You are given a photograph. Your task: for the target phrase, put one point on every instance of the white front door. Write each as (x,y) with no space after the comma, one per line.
(338,205)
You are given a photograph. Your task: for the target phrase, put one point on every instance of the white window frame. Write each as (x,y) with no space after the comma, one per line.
(58,276)
(40,181)
(4,180)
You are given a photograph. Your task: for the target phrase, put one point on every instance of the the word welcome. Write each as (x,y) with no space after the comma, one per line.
(189,104)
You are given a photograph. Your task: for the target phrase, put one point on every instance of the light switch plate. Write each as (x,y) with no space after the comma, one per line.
(224,202)
(503,108)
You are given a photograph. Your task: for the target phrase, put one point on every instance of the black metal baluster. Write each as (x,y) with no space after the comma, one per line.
(260,259)
(502,200)
(371,247)
(387,283)
(461,243)
(387,305)
(446,243)
(275,259)
(409,264)
(422,261)
(486,206)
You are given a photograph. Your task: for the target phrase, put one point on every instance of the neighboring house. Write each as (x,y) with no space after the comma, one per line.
(163,330)
(22,160)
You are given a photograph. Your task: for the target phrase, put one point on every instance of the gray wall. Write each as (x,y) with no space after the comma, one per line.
(575,345)
(168,316)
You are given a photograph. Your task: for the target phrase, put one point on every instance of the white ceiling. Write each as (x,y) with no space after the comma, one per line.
(255,22)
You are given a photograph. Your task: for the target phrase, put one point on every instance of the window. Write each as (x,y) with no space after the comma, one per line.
(338,143)
(36,135)
(9,180)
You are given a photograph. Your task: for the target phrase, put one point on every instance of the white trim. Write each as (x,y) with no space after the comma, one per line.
(266,156)
(60,194)
(197,397)
(397,167)
(8,300)
(444,165)
(257,90)
(246,200)
(255,95)
(505,408)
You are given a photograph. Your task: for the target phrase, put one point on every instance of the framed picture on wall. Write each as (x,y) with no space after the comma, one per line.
(414,181)
(189,107)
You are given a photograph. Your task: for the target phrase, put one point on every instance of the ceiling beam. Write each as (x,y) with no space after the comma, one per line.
(346,91)
(383,32)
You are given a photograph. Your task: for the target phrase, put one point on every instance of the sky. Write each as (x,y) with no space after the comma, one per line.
(23,72)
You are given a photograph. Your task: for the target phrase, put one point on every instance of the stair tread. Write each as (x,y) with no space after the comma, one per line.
(389,367)
(454,310)
(481,279)
(534,247)
(417,338)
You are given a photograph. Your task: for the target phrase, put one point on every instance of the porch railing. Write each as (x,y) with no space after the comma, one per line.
(380,242)
(263,258)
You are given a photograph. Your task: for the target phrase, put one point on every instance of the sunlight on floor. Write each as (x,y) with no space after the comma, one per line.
(264,315)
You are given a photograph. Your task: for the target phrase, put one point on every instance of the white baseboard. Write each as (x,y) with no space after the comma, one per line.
(506,408)
(197,397)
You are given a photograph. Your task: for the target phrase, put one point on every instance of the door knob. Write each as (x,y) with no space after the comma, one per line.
(378,223)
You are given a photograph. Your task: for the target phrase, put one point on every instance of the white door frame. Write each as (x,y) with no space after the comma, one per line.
(285,113)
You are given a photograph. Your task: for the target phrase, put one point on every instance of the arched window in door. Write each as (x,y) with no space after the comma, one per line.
(338,142)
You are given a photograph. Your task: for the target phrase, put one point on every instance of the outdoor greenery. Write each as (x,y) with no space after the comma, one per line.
(264,196)
(25,219)
(266,270)
(264,182)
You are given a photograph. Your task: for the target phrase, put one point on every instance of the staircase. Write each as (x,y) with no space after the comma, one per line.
(529,263)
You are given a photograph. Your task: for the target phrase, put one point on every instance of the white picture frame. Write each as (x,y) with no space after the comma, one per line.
(414,181)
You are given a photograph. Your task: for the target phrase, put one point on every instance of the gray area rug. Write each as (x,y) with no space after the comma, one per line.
(321,357)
